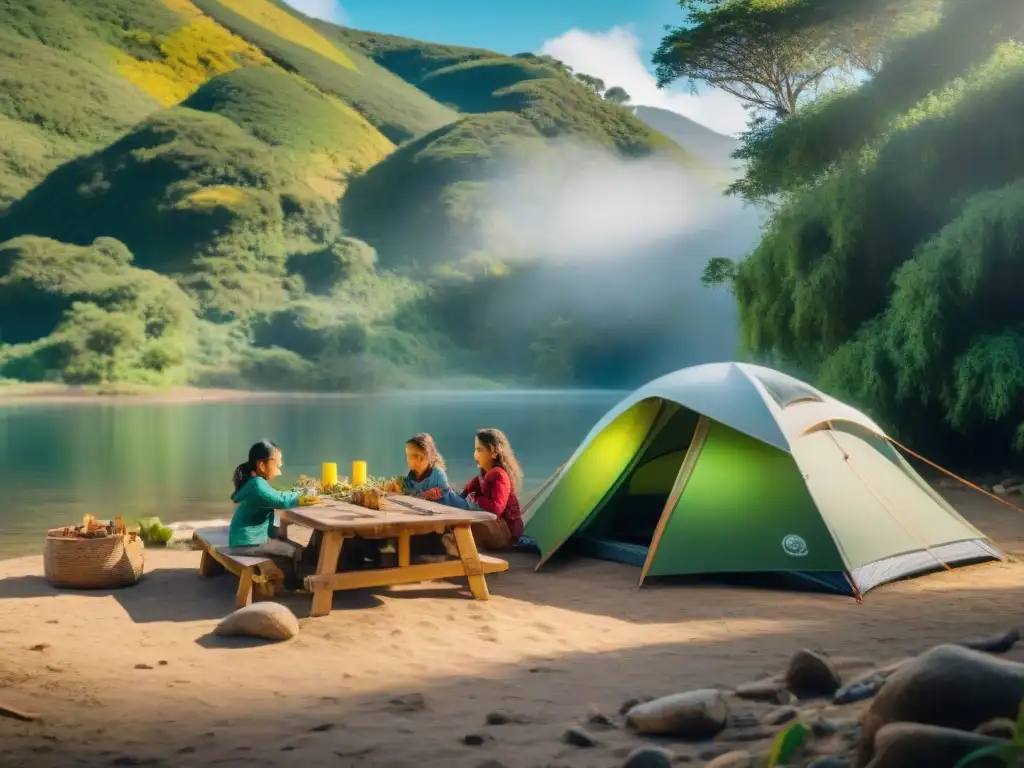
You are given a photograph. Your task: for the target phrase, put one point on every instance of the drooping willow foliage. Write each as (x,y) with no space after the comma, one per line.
(893,267)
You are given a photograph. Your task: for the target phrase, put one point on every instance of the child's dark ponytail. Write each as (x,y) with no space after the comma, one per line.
(242,474)
(260,451)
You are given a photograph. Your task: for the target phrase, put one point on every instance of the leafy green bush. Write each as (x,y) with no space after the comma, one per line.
(86,315)
(325,269)
(891,277)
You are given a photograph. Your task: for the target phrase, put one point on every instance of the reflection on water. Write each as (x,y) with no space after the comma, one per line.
(59,462)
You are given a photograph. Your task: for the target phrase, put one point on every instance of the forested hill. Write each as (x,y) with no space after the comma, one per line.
(891,267)
(225,192)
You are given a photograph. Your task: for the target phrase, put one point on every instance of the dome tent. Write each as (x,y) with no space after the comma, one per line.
(733,468)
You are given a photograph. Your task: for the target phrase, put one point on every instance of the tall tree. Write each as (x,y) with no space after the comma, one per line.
(593,82)
(734,48)
(617,94)
(774,55)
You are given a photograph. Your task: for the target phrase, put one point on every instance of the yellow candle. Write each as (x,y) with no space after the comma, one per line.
(328,474)
(358,473)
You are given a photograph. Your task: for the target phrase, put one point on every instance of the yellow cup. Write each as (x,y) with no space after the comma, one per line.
(358,473)
(328,474)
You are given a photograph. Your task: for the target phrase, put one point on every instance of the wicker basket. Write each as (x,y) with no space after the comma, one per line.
(104,563)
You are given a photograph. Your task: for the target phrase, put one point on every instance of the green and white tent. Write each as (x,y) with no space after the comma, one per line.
(736,468)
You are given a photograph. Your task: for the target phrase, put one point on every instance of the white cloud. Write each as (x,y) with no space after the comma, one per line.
(327,10)
(614,56)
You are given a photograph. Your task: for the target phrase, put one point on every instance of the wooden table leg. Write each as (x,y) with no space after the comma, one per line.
(209,567)
(330,550)
(404,557)
(471,562)
(243,596)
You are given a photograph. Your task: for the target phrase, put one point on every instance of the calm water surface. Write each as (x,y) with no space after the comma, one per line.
(60,462)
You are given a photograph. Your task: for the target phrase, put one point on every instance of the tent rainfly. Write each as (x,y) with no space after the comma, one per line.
(736,468)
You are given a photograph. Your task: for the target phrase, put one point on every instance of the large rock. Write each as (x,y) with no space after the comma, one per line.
(949,686)
(267,621)
(811,674)
(898,745)
(692,715)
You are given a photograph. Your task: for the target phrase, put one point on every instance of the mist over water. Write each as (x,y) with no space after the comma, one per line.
(587,204)
(621,245)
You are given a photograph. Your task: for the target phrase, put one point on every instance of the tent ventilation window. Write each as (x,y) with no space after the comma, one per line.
(785,391)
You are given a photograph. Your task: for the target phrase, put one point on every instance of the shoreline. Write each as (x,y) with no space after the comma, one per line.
(64,394)
(33,394)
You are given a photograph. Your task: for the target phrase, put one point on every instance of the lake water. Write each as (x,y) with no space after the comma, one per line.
(59,462)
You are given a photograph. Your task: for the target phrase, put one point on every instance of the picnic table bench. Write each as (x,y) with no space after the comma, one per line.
(258,574)
(399,518)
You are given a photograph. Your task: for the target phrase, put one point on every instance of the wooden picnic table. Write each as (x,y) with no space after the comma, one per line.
(399,518)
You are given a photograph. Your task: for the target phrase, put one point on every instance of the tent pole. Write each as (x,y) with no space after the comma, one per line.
(700,433)
(856,592)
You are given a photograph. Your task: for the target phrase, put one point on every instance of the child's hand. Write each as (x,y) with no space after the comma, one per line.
(432,494)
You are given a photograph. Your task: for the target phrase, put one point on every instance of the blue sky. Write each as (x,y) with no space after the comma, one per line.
(610,39)
(511,27)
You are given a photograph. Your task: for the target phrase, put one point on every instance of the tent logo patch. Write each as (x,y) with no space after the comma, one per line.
(794,546)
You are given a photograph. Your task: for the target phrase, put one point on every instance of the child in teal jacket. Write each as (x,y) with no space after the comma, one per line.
(252,524)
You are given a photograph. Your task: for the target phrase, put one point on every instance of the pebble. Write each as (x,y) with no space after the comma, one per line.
(579,737)
(743,720)
(646,756)
(812,674)
(779,716)
(858,691)
(598,718)
(695,714)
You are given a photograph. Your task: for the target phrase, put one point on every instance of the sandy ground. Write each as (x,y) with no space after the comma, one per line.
(398,677)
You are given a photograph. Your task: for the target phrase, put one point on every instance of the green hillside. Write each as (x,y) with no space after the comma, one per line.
(396,108)
(436,186)
(292,198)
